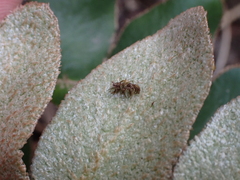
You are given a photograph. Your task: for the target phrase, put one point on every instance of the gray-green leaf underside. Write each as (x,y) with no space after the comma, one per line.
(98,135)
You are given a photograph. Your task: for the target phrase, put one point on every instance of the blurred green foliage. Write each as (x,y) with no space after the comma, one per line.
(225,88)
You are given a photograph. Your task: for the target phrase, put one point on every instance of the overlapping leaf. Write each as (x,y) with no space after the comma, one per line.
(215,153)
(29,62)
(223,90)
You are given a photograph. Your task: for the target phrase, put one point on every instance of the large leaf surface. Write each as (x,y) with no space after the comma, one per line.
(100,135)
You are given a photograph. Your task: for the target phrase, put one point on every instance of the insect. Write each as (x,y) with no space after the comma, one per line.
(152,104)
(124,87)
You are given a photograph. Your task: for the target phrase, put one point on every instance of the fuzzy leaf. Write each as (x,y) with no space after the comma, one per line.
(98,135)
(215,153)
(29,66)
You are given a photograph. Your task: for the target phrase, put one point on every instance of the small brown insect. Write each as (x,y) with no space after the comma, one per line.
(152,104)
(124,87)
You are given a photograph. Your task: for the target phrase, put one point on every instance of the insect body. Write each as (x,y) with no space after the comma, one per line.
(124,87)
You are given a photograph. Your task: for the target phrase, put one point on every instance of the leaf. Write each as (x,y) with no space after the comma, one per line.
(160,15)
(86,30)
(98,135)
(215,153)
(224,89)
(29,62)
